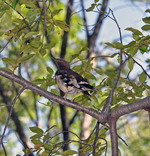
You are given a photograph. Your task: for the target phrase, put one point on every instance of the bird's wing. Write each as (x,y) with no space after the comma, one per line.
(79,82)
(68,78)
(73,79)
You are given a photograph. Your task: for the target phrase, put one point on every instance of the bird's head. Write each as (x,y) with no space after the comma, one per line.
(62,64)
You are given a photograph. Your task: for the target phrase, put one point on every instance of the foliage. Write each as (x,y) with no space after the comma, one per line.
(28,34)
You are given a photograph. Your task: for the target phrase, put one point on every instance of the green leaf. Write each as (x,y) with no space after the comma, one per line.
(142,77)
(14,3)
(9,61)
(113,55)
(146,27)
(45,153)
(48,147)
(109,44)
(50,81)
(143,48)
(36,130)
(96,1)
(84,49)
(146,38)
(130,63)
(132,43)
(118,45)
(3,9)
(44,85)
(38,81)
(132,50)
(36,42)
(89,75)
(135,31)
(95,100)
(148,10)
(36,141)
(73,57)
(49,46)
(42,51)
(50,70)
(146,20)
(79,98)
(26,151)
(25,58)
(103,131)
(54,91)
(7,69)
(27,48)
(99,5)
(55,12)
(62,25)
(69,152)
(136,37)
(37,136)
(91,7)
(50,128)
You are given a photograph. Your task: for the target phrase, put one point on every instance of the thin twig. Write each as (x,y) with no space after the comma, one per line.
(73,118)
(118,136)
(4,149)
(90,58)
(84,18)
(109,100)
(141,67)
(20,15)
(129,56)
(10,113)
(96,138)
(6,44)
(14,36)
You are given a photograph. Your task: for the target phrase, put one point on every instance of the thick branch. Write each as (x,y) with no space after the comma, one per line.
(132,107)
(116,113)
(53,97)
(114,136)
(101,117)
(65,126)
(95,33)
(65,35)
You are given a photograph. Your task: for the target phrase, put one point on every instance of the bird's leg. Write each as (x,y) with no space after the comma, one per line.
(65,95)
(72,98)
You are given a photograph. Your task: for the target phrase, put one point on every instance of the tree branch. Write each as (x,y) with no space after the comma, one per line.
(101,117)
(114,136)
(96,137)
(98,25)
(132,107)
(52,97)
(116,113)
(65,35)
(109,100)
(63,111)
(85,21)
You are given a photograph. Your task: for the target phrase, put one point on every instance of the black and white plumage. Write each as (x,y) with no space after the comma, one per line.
(69,81)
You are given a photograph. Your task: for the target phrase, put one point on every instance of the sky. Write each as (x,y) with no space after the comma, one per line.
(127,14)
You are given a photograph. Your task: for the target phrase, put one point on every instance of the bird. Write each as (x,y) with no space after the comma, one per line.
(69,81)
